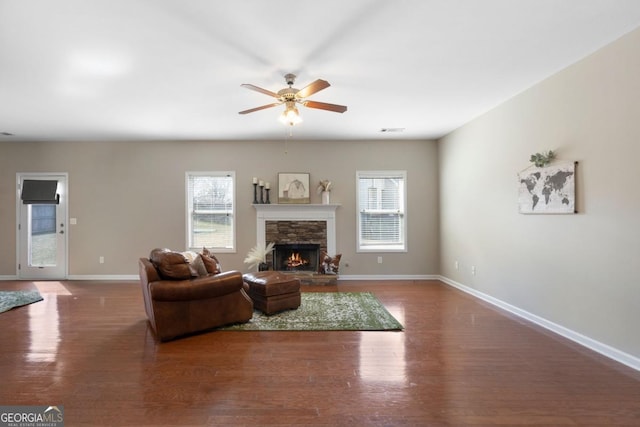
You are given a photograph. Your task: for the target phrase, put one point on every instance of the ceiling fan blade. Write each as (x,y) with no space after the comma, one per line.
(324,106)
(259,89)
(260,108)
(312,88)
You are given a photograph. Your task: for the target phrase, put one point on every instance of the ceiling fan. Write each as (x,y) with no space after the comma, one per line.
(291,96)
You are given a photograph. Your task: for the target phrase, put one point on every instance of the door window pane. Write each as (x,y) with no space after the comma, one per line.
(42,237)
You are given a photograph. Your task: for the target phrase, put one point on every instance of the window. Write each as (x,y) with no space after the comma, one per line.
(211,210)
(381,211)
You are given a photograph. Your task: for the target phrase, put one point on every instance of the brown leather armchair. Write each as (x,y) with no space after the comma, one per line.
(181,307)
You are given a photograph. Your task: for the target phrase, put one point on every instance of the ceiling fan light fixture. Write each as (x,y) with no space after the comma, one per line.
(290,116)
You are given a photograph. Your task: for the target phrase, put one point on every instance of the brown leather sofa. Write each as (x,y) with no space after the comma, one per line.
(177,307)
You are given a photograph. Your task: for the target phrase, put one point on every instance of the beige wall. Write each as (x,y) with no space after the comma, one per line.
(129,197)
(580,271)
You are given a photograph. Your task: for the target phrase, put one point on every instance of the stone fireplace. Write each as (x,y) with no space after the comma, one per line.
(293,231)
(297,224)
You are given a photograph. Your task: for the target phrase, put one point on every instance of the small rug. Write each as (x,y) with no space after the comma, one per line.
(13,299)
(326,311)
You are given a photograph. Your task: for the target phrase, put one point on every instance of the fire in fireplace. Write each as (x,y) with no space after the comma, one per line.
(296,257)
(296,261)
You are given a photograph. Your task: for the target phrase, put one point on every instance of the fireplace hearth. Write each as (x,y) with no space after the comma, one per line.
(296,257)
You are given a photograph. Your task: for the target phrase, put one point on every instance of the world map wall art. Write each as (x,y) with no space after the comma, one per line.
(548,190)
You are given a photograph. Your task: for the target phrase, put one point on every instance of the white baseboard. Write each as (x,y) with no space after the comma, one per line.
(340,277)
(392,277)
(85,277)
(604,349)
(103,277)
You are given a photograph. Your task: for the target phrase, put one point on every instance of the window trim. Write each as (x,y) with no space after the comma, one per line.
(403,247)
(234,211)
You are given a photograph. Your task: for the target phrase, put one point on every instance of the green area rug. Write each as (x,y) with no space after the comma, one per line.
(13,299)
(326,311)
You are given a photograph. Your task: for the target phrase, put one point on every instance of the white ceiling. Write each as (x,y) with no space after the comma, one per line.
(172,69)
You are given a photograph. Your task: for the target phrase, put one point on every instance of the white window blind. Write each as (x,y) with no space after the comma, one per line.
(381,210)
(211,210)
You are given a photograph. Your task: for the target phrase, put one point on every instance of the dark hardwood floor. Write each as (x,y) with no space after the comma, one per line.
(458,362)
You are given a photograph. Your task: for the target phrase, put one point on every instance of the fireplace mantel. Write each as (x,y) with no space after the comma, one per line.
(297,212)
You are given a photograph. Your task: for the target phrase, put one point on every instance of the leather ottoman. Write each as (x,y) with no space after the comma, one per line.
(272,292)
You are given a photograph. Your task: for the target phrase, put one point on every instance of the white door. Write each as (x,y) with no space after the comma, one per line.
(42,229)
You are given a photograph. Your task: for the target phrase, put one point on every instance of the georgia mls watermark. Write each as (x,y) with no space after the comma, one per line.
(32,416)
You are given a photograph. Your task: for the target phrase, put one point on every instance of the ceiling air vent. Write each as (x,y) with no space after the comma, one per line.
(391,130)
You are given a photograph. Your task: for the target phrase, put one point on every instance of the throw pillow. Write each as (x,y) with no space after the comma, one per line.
(195,263)
(198,265)
(170,265)
(329,265)
(210,261)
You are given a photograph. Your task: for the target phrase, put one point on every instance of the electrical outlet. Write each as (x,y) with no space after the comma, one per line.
(473,270)
(379,260)
(101,260)
(457,265)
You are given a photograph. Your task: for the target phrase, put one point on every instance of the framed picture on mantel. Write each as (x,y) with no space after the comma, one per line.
(293,187)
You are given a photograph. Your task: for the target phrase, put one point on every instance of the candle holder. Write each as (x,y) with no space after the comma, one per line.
(261,194)
(267,201)
(255,193)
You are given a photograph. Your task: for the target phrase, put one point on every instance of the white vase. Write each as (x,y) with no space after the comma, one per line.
(326,199)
